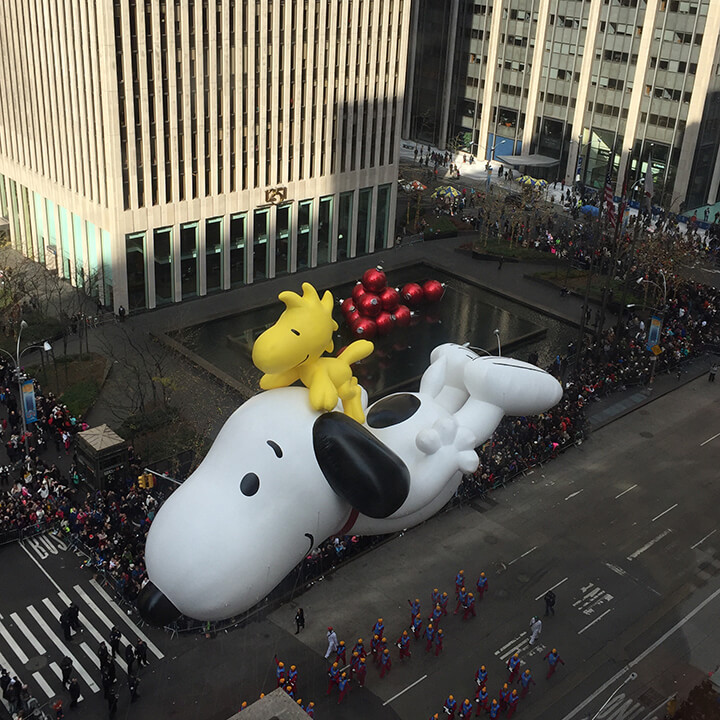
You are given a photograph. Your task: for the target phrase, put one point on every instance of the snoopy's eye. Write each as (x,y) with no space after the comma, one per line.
(250,484)
(276,448)
(295,332)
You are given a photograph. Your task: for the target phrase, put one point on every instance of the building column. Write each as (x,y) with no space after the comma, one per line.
(449,66)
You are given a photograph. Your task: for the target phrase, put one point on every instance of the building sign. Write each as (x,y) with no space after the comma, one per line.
(276,195)
(654,332)
(28,401)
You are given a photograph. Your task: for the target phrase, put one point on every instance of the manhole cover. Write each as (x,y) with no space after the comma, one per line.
(491,539)
(646,434)
(36,663)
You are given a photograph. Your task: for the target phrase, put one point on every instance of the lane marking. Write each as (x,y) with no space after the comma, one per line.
(709,439)
(692,547)
(40,680)
(512,642)
(21,656)
(542,595)
(138,632)
(27,633)
(64,650)
(412,685)
(648,545)
(93,657)
(672,507)
(642,655)
(45,572)
(616,569)
(632,487)
(4,663)
(597,619)
(523,555)
(104,619)
(661,705)
(572,495)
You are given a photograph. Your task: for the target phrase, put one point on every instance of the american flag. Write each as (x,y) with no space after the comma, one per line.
(610,198)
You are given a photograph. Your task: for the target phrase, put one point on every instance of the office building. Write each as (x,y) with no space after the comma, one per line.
(159,150)
(551,80)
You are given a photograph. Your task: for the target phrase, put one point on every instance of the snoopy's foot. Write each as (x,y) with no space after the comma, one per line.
(447,441)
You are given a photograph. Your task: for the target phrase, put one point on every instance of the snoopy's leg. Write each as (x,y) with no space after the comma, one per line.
(351,396)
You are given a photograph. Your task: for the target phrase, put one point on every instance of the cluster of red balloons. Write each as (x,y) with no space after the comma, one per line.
(375,309)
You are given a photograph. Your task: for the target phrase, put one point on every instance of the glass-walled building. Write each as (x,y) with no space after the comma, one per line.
(160,150)
(568,83)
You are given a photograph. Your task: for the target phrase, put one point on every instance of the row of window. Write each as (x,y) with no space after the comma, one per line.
(673,66)
(662,121)
(668,94)
(681,38)
(607,109)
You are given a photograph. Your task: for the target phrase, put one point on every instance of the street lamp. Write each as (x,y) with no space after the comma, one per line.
(628,679)
(16,361)
(662,287)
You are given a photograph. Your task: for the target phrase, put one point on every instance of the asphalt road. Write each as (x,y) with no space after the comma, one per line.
(623,527)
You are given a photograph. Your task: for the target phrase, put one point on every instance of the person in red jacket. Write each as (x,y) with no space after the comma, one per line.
(512,702)
(343,686)
(513,666)
(465,711)
(553,659)
(385,663)
(482,699)
(361,672)
(403,642)
(469,606)
(438,641)
(482,586)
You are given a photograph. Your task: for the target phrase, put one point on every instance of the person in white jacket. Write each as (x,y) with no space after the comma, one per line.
(536,627)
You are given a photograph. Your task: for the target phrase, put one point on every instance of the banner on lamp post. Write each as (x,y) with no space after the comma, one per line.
(654,332)
(28,401)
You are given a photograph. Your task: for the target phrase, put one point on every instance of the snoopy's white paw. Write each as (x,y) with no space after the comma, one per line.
(447,438)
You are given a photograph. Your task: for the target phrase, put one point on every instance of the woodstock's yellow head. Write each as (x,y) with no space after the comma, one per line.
(301,334)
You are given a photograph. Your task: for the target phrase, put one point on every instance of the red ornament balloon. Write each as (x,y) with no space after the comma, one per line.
(374,280)
(434,290)
(369,305)
(351,317)
(357,292)
(412,293)
(402,315)
(385,323)
(348,306)
(390,299)
(364,328)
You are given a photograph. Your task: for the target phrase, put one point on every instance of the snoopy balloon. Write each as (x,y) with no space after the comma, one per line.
(283,476)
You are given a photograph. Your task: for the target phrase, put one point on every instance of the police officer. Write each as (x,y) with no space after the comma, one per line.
(141,653)
(133,685)
(129,658)
(115,636)
(549,603)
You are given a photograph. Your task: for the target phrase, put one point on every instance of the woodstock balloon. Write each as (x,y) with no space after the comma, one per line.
(282,476)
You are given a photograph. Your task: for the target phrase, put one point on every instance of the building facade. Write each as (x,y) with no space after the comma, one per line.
(576,81)
(159,150)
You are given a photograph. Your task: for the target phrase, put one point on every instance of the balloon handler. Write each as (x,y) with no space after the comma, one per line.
(292,349)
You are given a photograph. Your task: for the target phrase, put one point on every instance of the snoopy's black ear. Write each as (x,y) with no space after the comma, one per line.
(358,467)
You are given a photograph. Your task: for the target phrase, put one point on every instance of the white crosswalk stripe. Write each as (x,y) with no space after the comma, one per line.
(35,631)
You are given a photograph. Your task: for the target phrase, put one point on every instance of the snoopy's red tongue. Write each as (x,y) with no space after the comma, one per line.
(347,527)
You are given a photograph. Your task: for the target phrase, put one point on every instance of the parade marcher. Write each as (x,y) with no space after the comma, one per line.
(503,696)
(435,597)
(437,613)
(115,636)
(461,598)
(385,662)
(469,606)
(141,653)
(332,642)
(429,637)
(343,687)
(381,648)
(465,710)
(553,659)
(379,628)
(444,602)
(549,603)
(481,676)
(438,641)
(354,662)
(359,648)
(450,706)
(512,703)
(59,712)
(536,627)
(361,672)
(133,685)
(482,700)
(526,679)
(293,677)
(494,709)
(333,677)
(310,709)
(459,581)
(403,643)
(66,665)
(374,643)
(290,690)
(340,653)
(416,626)
(129,658)
(74,690)
(414,607)
(482,586)
(513,666)
(279,672)
(299,620)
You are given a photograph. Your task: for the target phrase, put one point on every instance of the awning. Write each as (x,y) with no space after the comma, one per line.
(528,160)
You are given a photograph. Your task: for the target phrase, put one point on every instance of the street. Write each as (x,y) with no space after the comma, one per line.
(622,528)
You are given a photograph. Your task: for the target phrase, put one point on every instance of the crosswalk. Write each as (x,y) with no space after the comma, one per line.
(33,637)
(521,645)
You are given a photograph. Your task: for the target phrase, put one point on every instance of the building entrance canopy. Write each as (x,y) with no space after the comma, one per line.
(528,160)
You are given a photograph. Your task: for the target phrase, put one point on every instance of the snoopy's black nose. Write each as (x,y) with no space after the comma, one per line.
(155,608)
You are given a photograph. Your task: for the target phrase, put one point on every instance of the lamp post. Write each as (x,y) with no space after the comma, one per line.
(628,679)
(16,361)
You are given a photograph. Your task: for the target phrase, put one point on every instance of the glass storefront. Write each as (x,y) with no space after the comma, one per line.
(164,276)
(282,240)
(135,262)
(237,249)
(363,222)
(213,254)
(344,244)
(325,222)
(304,234)
(188,260)
(260,243)
(382,217)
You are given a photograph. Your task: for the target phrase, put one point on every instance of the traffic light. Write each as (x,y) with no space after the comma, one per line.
(149,480)
(141,481)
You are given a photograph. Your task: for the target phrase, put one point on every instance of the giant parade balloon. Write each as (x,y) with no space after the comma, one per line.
(289,468)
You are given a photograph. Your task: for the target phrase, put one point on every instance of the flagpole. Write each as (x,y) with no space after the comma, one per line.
(605,288)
